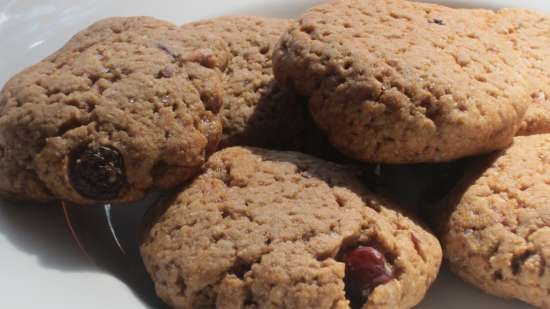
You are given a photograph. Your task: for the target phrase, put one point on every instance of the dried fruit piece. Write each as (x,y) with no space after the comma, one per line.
(97,172)
(365,269)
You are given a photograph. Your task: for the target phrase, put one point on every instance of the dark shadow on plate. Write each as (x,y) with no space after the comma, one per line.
(40,230)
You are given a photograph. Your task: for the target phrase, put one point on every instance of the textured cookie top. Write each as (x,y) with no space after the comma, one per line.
(530,33)
(265,229)
(498,237)
(393,81)
(256,111)
(126,105)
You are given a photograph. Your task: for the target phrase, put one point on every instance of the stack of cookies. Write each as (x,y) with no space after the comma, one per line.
(240,118)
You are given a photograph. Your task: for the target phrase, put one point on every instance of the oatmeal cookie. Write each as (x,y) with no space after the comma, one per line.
(393,81)
(127,105)
(267,229)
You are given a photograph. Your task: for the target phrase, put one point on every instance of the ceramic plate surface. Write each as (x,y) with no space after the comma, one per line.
(40,265)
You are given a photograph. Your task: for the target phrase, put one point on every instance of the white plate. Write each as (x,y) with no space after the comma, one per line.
(40,266)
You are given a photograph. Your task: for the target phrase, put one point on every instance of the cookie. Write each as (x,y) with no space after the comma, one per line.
(497,235)
(405,82)
(127,105)
(256,111)
(529,32)
(267,229)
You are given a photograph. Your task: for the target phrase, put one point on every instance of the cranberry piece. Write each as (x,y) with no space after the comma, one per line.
(365,270)
(97,172)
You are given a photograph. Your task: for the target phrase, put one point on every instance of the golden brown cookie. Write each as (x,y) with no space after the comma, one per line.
(497,235)
(266,229)
(127,105)
(393,81)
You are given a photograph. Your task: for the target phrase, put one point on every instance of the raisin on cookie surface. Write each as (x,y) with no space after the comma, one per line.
(392,81)
(267,229)
(127,105)
(256,111)
(497,233)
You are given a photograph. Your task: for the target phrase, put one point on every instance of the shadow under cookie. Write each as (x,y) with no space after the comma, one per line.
(41,230)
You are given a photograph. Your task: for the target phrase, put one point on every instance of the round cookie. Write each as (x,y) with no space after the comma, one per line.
(127,105)
(497,235)
(405,82)
(266,229)
(529,31)
(256,111)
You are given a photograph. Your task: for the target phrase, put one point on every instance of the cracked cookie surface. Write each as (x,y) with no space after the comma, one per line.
(497,235)
(267,229)
(127,105)
(406,82)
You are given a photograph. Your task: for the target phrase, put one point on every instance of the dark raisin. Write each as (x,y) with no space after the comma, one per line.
(438,21)
(365,270)
(97,172)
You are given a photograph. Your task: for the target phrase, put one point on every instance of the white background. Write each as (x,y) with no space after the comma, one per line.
(40,266)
